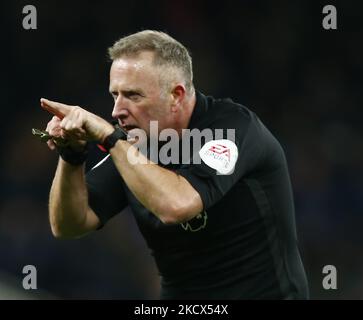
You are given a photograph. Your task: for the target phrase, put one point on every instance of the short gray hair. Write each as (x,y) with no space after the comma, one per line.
(167,51)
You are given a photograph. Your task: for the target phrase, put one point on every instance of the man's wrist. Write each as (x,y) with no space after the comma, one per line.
(110,141)
(72,156)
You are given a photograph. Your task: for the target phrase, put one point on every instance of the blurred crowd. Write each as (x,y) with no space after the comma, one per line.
(304,82)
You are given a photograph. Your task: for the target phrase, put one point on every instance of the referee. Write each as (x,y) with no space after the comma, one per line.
(220,222)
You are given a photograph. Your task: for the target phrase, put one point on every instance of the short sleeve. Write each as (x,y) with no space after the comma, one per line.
(220,163)
(106,193)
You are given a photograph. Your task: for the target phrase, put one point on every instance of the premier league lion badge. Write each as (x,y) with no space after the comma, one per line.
(197,223)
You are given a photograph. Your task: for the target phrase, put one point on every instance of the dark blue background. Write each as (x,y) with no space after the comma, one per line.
(272,56)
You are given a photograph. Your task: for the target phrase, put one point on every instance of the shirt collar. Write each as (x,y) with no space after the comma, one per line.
(200,108)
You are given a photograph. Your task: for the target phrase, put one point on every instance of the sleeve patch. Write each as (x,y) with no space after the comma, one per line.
(220,155)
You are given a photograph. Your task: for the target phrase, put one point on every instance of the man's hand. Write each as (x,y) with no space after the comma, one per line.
(55,130)
(75,124)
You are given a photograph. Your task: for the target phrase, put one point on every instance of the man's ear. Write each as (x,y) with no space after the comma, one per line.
(178,94)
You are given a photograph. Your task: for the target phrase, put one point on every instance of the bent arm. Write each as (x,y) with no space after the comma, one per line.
(69,213)
(166,194)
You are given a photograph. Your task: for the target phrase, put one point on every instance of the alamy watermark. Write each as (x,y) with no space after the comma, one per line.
(30,19)
(330,20)
(30,280)
(215,147)
(330,280)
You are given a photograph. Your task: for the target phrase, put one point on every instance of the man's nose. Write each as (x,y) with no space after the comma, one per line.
(120,110)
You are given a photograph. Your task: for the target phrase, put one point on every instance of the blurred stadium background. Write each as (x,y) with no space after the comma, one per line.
(272,56)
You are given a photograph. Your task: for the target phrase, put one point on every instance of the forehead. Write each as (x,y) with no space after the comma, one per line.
(133,71)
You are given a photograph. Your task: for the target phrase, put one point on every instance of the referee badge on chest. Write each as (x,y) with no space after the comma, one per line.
(197,223)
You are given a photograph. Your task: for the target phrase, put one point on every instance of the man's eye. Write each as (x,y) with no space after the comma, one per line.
(135,96)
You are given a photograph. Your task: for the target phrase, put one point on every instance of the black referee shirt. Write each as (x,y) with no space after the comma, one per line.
(243,245)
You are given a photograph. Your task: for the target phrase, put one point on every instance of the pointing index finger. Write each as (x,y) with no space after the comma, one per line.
(58,109)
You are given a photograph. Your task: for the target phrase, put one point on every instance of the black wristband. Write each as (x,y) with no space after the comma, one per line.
(110,141)
(72,156)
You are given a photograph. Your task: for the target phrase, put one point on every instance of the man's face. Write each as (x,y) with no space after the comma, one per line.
(139,99)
